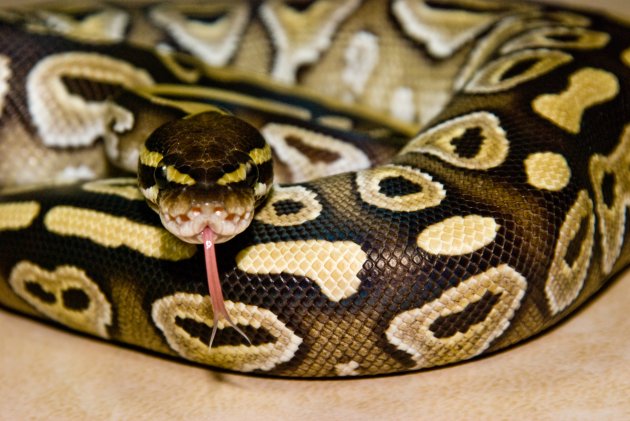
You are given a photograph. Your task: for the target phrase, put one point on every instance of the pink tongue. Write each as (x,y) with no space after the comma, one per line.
(214,285)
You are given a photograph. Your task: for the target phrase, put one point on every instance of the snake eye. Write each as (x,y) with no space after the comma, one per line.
(160,175)
(251,176)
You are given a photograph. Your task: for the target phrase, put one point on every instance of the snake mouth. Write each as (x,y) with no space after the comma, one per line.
(190,224)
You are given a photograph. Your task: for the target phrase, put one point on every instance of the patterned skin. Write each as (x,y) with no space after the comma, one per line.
(499,218)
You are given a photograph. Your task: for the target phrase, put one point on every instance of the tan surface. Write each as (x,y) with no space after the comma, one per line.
(581,370)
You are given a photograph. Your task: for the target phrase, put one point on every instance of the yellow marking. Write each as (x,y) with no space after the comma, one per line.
(115,231)
(177,177)
(566,279)
(94,318)
(491,78)
(18,215)
(333,266)
(124,187)
(547,37)
(438,141)
(410,331)
(612,216)
(625,57)
(260,155)
(235,176)
(149,158)
(587,87)
(310,210)
(458,235)
(165,312)
(430,194)
(153,159)
(547,171)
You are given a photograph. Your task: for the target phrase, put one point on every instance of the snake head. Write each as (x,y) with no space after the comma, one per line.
(210,170)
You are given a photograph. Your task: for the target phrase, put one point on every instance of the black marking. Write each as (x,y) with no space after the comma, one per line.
(229,168)
(225,337)
(471,7)
(208,19)
(299,5)
(287,207)
(75,299)
(573,250)
(567,38)
(448,326)
(314,154)
(608,189)
(36,290)
(146,177)
(398,186)
(519,68)
(89,89)
(469,144)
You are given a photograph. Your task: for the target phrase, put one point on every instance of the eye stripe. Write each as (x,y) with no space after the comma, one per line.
(260,155)
(175,176)
(235,176)
(153,159)
(149,158)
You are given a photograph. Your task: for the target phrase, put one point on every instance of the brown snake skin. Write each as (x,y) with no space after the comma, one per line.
(502,216)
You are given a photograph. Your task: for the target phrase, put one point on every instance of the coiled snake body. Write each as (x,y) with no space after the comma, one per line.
(502,216)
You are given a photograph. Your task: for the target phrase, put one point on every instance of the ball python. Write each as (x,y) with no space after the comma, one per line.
(451,176)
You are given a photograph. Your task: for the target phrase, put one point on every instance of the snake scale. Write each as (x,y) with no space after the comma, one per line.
(452,176)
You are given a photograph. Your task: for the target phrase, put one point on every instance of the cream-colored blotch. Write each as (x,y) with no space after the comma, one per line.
(587,88)
(411,332)
(300,37)
(492,77)
(115,231)
(458,235)
(213,42)
(565,279)
(551,37)
(612,216)
(547,171)
(430,193)
(301,166)
(18,215)
(442,31)
(67,120)
(361,57)
(94,318)
(167,310)
(333,266)
(307,199)
(439,141)
(108,25)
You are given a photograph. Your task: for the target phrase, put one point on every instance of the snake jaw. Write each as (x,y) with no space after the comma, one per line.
(190,224)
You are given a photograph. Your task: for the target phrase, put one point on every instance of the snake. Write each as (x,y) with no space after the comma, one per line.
(384,186)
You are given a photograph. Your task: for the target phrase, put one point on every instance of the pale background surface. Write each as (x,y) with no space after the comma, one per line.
(580,370)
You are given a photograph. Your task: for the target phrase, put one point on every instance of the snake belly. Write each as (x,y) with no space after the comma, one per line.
(501,216)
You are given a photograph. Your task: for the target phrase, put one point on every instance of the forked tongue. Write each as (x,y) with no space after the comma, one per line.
(214,286)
